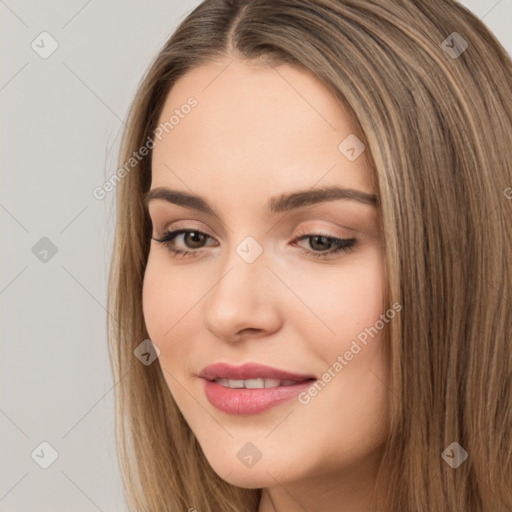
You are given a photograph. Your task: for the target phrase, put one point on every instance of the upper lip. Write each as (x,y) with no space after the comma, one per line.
(249,371)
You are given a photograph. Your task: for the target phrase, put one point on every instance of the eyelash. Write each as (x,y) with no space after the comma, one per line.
(341,244)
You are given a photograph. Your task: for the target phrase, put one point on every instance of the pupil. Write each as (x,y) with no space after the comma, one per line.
(322,245)
(192,235)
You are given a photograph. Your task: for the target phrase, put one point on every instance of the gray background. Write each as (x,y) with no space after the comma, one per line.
(62,118)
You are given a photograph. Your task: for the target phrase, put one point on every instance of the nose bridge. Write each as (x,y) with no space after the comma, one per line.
(241,297)
(243,268)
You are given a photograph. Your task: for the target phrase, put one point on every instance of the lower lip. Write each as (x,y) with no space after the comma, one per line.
(250,401)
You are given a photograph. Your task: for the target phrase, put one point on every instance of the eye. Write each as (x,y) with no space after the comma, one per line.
(193,237)
(322,246)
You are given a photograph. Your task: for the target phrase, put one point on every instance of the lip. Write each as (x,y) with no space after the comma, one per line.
(249,371)
(245,402)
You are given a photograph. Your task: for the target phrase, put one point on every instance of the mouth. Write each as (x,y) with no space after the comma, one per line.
(250,388)
(254,383)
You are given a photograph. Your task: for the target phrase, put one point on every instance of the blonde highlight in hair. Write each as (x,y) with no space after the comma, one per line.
(438,136)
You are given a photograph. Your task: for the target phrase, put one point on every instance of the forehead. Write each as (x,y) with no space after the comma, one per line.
(254,126)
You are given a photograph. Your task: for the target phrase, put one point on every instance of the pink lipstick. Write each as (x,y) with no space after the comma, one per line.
(250,388)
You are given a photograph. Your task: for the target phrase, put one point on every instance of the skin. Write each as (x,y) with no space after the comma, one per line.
(256,133)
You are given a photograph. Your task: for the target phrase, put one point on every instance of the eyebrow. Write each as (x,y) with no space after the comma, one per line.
(279,204)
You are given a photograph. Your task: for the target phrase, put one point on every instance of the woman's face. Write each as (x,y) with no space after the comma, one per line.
(255,290)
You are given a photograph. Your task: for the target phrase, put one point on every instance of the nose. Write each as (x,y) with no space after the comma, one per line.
(244,301)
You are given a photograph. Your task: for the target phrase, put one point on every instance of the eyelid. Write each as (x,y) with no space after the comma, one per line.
(189,225)
(308,230)
(162,216)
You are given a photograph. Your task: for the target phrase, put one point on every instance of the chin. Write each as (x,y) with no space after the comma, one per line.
(234,471)
(246,479)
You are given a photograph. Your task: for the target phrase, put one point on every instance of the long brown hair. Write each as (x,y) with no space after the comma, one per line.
(430,89)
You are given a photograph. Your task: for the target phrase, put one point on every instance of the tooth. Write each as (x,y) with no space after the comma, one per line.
(272,383)
(236,383)
(259,383)
(254,383)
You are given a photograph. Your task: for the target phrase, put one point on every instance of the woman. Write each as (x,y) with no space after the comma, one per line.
(310,291)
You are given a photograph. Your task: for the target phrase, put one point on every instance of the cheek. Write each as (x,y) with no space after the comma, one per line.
(361,297)
(352,401)
(152,300)
(160,303)
(171,303)
(347,300)
(164,297)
